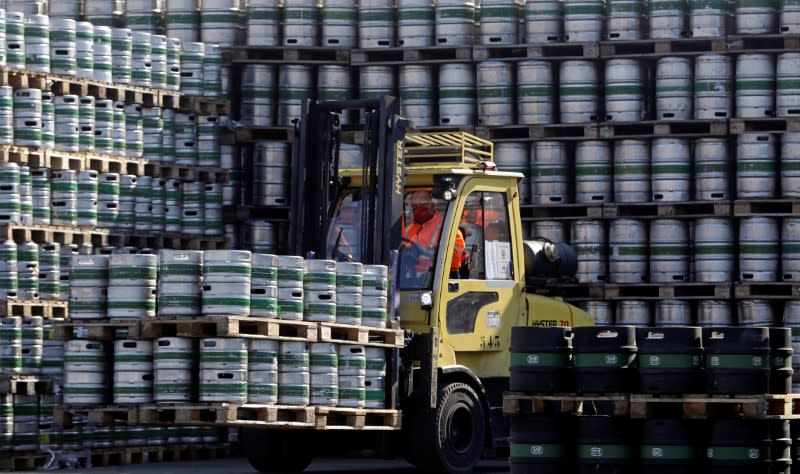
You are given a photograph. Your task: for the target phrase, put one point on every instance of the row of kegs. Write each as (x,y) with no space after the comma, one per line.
(419,23)
(113,55)
(677,250)
(270,170)
(110,200)
(666,313)
(674,360)
(705,313)
(227,282)
(188,20)
(29,346)
(708,87)
(760,165)
(30,271)
(171,370)
(594,443)
(26,424)
(69,123)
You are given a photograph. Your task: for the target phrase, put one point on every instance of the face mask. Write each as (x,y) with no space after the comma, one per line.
(422,214)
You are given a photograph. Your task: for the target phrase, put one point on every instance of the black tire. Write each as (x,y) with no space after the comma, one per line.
(452,440)
(274,452)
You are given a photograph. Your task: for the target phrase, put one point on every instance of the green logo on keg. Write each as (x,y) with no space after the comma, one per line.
(657,452)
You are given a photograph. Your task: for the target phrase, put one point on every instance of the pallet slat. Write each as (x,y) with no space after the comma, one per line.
(640,406)
(342,333)
(97,415)
(25,384)
(230,326)
(228,414)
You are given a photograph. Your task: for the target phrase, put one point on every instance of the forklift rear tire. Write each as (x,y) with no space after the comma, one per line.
(274,452)
(452,440)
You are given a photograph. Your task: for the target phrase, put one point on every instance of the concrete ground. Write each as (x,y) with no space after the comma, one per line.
(240,466)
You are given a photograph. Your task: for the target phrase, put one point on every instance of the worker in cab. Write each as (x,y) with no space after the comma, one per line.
(424,231)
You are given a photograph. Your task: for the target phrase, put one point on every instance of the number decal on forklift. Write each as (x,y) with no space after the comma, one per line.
(490,342)
(550,323)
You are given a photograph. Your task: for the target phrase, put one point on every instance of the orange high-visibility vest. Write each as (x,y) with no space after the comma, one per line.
(427,236)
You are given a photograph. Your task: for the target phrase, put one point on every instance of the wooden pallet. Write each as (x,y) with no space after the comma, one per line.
(766,207)
(241,213)
(577,292)
(204,105)
(524,133)
(506,52)
(657,291)
(147,97)
(171,241)
(170,99)
(691,209)
(561,211)
(99,237)
(330,418)
(192,173)
(698,406)
(155,454)
(249,134)
(767,290)
(661,47)
(762,43)
(515,404)
(20,384)
(536,51)
(664,128)
(53,233)
(96,415)
(284,54)
(565,131)
(21,79)
(564,50)
(227,414)
(77,161)
(47,309)
(397,56)
(113,164)
(38,158)
(377,337)
(230,326)
(707,406)
(98,330)
(23,461)
(764,125)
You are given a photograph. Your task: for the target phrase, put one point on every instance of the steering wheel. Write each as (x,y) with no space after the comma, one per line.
(418,249)
(410,256)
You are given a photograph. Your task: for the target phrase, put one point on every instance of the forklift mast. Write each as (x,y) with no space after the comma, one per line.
(316,184)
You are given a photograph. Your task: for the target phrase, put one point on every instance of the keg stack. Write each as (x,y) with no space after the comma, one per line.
(273,346)
(661,372)
(675,207)
(76,165)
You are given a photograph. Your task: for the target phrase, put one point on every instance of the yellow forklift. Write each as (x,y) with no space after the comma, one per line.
(434,208)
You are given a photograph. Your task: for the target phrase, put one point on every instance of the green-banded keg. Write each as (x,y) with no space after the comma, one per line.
(628,251)
(759,249)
